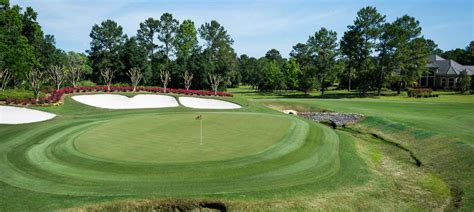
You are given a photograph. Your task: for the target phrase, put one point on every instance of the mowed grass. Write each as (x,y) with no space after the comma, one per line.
(279,162)
(438,130)
(452,119)
(176,138)
(42,164)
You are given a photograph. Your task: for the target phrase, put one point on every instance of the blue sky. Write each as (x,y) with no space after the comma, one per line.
(255,26)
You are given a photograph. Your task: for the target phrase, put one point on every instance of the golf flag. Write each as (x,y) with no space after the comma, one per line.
(199,117)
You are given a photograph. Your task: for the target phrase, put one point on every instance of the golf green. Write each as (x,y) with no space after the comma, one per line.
(177,137)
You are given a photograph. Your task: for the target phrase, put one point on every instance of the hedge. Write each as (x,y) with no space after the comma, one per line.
(55,96)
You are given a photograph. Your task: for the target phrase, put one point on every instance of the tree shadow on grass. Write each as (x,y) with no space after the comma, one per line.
(346,95)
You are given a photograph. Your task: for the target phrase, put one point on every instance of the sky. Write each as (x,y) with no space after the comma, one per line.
(255,26)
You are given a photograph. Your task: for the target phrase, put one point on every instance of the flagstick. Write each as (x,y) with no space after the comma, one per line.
(201,130)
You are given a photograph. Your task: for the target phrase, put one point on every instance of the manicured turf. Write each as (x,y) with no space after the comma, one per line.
(284,155)
(175,138)
(438,130)
(447,118)
(253,158)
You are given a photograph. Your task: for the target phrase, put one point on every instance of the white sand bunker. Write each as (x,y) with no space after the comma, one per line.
(19,115)
(201,103)
(114,101)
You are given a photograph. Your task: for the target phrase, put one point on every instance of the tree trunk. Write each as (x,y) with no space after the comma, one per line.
(349,87)
(322,87)
(379,84)
(399,90)
(350,78)
(362,88)
(37,94)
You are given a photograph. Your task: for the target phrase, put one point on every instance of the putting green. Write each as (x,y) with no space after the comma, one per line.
(176,138)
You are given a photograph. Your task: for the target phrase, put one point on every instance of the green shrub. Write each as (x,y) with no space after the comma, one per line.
(121,84)
(86,83)
(17,94)
(420,92)
(465,82)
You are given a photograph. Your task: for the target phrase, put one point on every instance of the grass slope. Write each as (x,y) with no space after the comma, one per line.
(439,132)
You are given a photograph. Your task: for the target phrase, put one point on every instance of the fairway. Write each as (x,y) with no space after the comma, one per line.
(176,138)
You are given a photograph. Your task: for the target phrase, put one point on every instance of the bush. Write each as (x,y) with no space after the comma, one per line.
(17,94)
(24,97)
(420,92)
(54,96)
(86,83)
(465,82)
(120,84)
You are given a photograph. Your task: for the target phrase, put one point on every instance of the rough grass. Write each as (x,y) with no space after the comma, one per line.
(438,133)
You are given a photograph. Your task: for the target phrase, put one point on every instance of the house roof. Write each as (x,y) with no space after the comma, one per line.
(434,58)
(448,67)
(471,69)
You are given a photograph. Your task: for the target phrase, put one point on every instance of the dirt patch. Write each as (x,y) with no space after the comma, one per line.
(458,194)
(156,205)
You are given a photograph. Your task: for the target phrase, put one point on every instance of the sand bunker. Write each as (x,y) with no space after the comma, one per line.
(114,101)
(201,103)
(19,115)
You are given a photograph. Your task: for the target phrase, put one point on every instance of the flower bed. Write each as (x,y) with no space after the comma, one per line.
(55,96)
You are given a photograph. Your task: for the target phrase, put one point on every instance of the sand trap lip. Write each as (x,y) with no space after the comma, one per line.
(19,115)
(115,101)
(201,103)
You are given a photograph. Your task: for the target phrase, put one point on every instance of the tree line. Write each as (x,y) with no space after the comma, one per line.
(164,52)
(29,58)
(372,54)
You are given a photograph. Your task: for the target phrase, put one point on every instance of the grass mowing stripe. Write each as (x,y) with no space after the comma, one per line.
(50,160)
(440,134)
(299,169)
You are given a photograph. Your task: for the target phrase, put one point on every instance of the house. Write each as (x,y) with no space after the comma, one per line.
(443,73)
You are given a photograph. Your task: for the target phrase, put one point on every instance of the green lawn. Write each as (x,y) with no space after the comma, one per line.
(252,158)
(452,118)
(438,130)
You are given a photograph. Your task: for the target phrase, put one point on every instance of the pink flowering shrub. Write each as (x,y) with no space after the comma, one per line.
(56,95)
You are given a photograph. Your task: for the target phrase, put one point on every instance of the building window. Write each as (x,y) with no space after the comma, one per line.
(443,82)
(451,82)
